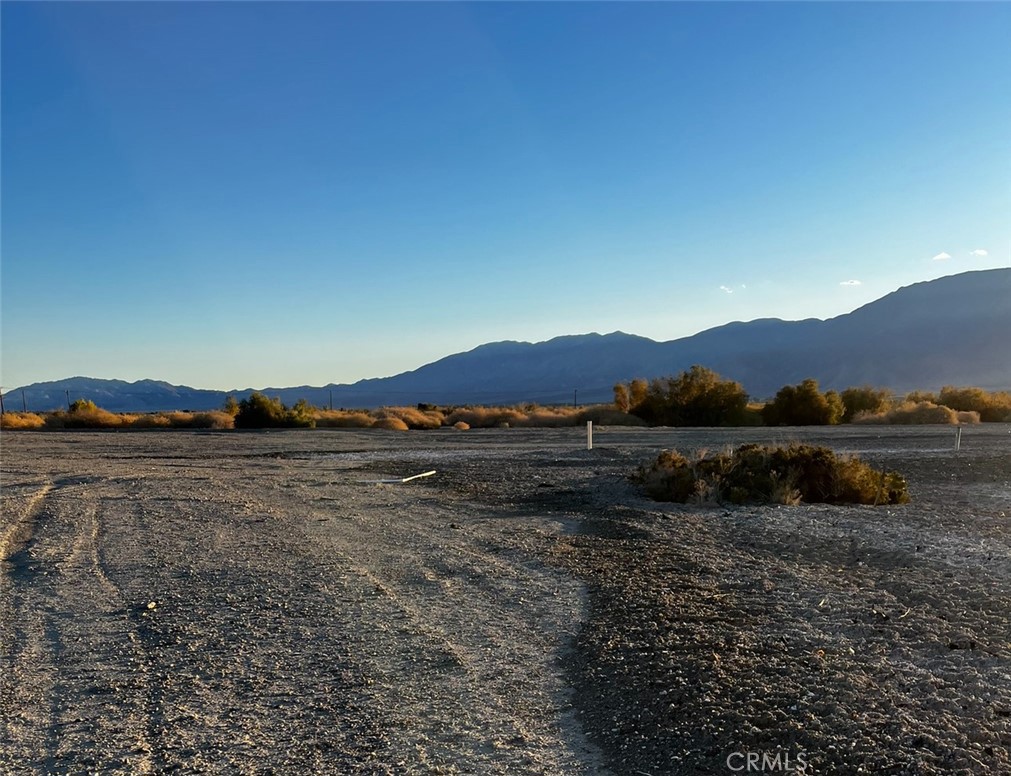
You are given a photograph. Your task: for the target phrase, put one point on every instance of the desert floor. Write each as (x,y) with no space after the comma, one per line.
(229,602)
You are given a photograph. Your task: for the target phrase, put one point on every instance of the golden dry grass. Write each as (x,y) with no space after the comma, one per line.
(343,419)
(19,421)
(390,424)
(413,417)
(487,417)
(916,413)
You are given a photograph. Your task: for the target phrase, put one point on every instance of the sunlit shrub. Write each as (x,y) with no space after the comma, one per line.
(343,419)
(413,417)
(992,406)
(21,421)
(390,424)
(486,417)
(916,413)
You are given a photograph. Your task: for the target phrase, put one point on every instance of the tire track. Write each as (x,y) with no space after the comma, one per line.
(69,637)
(15,537)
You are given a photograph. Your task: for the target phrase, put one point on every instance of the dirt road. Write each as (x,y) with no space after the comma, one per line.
(246,603)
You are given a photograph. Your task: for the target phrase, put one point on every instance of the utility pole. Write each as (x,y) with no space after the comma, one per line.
(1,400)
(68,399)
(24,401)
(575,397)
(331,399)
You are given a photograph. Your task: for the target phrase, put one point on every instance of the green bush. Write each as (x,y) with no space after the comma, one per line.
(259,411)
(864,399)
(761,474)
(803,405)
(697,397)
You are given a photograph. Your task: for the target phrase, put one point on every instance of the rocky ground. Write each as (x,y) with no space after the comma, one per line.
(177,602)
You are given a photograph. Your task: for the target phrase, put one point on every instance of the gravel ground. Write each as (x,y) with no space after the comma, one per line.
(179,602)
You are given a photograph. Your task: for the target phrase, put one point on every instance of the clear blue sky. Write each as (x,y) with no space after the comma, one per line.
(234,195)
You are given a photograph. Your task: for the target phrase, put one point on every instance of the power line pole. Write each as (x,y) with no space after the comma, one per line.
(24,401)
(68,399)
(1,400)
(575,397)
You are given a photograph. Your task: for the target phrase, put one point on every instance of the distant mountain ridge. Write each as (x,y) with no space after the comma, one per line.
(954,330)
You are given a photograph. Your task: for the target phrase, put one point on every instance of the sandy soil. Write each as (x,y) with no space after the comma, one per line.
(176,602)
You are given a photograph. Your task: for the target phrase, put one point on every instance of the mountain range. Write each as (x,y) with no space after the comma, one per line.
(954,330)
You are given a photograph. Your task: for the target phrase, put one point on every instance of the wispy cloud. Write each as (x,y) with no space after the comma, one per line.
(851,283)
(942,256)
(726,289)
(979,252)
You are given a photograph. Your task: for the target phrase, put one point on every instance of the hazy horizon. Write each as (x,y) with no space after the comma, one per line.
(230,195)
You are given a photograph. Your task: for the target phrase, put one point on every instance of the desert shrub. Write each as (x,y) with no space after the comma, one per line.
(607,416)
(390,424)
(486,417)
(917,396)
(761,474)
(82,406)
(86,414)
(231,406)
(21,421)
(343,419)
(157,420)
(992,406)
(803,405)
(622,398)
(866,398)
(216,419)
(548,417)
(967,418)
(912,413)
(259,411)
(413,417)
(54,421)
(696,397)
(301,415)
(461,426)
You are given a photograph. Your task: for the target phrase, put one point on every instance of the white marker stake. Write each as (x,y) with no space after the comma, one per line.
(958,438)
(589,435)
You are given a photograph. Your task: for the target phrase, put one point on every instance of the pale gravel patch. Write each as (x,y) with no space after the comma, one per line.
(225,603)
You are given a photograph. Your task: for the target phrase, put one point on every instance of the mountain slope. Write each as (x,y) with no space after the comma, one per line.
(951,331)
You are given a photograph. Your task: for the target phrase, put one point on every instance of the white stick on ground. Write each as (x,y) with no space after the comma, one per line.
(391,480)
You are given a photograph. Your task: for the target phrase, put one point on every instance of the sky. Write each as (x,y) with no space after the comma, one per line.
(231,195)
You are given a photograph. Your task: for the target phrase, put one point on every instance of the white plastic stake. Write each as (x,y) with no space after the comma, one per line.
(589,435)
(958,438)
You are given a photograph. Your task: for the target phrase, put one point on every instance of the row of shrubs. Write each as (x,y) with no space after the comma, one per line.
(701,397)
(260,411)
(696,397)
(86,414)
